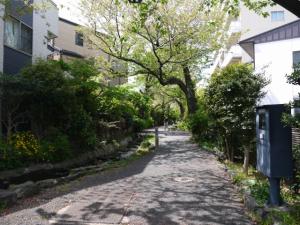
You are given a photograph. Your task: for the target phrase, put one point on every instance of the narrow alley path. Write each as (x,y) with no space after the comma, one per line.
(179,184)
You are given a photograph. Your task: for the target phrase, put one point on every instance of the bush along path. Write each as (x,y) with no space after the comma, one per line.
(175,184)
(33,181)
(55,110)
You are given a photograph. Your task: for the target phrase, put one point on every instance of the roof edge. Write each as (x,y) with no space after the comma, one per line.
(248,40)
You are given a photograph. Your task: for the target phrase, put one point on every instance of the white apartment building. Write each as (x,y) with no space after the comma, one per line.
(247,25)
(274,54)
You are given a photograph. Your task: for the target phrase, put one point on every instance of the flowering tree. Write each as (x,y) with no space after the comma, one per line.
(168,40)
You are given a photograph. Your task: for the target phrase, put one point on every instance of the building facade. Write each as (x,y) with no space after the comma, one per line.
(274,53)
(71,42)
(26,35)
(247,25)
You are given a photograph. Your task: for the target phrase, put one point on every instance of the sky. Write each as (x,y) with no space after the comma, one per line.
(69,9)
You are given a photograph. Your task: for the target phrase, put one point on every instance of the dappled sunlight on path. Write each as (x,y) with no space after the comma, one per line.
(178,184)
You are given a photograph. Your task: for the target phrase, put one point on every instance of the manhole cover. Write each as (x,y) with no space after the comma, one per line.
(184,179)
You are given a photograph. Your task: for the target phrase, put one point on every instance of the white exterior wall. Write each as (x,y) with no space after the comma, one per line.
(43,21)
(276,60)
(1,37)
(70,10)
(253,24)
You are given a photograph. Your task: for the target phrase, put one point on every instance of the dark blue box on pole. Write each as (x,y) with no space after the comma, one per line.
(274,142)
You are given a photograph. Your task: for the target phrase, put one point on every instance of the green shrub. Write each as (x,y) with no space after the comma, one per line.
(183,125)
(56,147)
(9,158)
(290,218)
(117,103)
(140,124)
(230,101)
(25,146)
(198,123)
(61,106)
(23,149)
(82,130)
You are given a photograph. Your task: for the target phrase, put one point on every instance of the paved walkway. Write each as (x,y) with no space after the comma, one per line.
(179,184)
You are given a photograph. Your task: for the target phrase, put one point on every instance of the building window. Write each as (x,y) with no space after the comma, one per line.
(296,58)
(51,39)
(26,39)
(277,16)
(79,39)
(17,35)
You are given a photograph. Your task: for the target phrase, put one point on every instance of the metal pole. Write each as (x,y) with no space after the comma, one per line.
(156,138)
(275,197)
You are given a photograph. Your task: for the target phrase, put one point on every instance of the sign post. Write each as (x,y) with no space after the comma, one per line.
(156,138)
(274,148)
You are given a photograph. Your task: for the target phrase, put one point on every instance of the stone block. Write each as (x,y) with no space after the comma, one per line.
(25,190)
(7,197)
(250,202)
(47,183)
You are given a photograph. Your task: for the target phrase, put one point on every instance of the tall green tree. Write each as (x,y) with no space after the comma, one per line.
(231,98)
(168,40)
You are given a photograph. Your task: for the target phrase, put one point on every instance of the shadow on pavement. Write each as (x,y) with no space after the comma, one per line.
(176,185)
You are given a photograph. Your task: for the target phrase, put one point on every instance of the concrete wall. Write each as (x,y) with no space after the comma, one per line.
(44,21)
(66,40)
(276,60)
(1,37)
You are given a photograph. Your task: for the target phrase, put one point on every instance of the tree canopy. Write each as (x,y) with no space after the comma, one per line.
(169,40)
(231,5)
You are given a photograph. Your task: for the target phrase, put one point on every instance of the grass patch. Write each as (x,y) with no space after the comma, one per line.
(255,183)
(275,216)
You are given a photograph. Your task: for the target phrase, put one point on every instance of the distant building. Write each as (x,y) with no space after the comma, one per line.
(250,24)
(274,52)
(71,44)
(27,36)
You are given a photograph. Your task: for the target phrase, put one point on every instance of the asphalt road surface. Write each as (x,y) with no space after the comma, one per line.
(178,184)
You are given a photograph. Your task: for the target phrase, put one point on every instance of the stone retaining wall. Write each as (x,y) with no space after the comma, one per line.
(25,182)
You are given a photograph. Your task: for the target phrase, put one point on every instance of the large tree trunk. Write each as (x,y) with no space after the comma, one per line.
(187,87)
(227,150)
(181,108)
(190,91)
